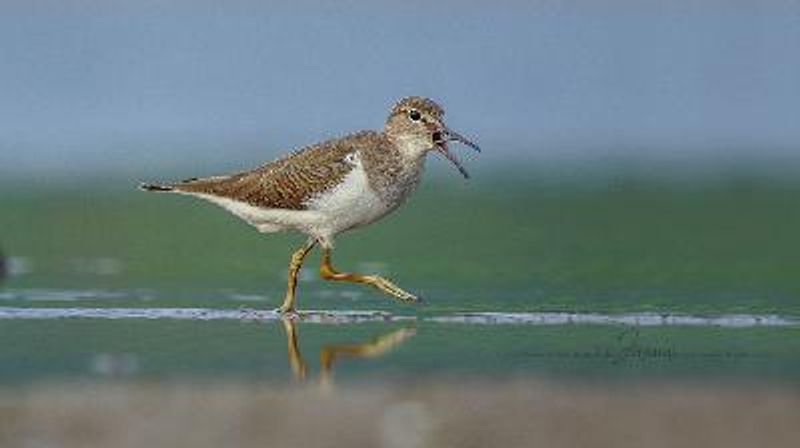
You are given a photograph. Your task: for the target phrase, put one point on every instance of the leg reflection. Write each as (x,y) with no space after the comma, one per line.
(296,361)
(329,353)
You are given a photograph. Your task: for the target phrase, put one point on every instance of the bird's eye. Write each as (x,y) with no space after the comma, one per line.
(414,115)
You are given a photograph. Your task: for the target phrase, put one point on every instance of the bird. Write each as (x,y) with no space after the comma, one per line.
(337,185)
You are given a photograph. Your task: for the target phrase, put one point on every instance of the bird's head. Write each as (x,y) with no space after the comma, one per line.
(416,125)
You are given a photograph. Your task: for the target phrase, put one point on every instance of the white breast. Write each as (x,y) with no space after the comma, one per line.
(351,203)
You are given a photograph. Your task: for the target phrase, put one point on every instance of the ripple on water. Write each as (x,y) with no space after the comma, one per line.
(638,319)
(353,316)
(200,314)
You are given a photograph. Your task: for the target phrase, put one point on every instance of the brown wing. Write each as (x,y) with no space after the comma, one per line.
(289,182)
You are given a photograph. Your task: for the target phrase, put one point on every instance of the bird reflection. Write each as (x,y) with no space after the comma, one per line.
(330,353)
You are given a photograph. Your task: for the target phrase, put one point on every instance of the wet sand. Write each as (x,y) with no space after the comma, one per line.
(431,414)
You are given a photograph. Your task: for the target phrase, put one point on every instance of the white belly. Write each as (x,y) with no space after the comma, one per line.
(267,220)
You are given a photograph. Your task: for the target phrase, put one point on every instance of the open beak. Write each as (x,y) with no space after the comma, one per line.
(441,138)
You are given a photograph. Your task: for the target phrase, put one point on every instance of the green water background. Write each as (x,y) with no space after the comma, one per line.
(502,242)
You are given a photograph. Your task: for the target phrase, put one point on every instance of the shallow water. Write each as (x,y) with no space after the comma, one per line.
(245,344)
(600,284)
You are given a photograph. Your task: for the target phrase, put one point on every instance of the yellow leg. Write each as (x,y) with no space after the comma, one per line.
(328,272)
(294,268)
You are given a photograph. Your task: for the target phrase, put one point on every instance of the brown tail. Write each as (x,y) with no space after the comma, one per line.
(155,187)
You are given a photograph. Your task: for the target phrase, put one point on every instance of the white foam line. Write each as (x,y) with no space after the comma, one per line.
(191,314)
(639,319)
(345,316)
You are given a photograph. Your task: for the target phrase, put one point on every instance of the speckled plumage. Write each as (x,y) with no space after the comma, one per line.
(289,182)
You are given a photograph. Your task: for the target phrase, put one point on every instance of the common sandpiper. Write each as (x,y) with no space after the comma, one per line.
(341,184)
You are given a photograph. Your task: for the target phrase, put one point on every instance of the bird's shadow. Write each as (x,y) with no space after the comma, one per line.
(329,354)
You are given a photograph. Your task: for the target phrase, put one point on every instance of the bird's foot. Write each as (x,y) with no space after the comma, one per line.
(393,290)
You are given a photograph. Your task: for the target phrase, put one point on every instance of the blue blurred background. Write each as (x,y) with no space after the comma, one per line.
(145,88)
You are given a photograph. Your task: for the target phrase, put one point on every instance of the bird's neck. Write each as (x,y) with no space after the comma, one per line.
(412,150)
(394,170)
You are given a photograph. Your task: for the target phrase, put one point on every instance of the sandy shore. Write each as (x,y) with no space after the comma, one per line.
(440,414)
